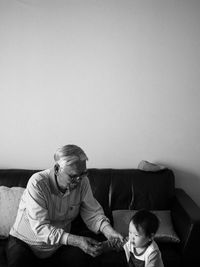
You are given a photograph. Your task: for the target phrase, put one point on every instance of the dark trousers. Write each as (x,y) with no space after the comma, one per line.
(19,254)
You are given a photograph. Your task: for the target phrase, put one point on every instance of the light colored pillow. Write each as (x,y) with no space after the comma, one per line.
(145,165)
(9,202)
(165,233)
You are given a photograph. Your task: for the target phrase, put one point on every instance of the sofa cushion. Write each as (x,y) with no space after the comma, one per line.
(147,166)
(9,202)
(165,233)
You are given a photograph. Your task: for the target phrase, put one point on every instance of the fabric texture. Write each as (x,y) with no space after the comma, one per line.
(150,257)
(165,233)
(9,202)
(19,254)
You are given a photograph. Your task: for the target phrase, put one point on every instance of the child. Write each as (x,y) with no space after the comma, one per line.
(141,250)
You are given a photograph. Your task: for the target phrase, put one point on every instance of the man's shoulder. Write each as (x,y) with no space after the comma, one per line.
(39,178)
(85,180)
(85,183)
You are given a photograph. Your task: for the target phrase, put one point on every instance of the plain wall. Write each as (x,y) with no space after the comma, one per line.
(118,78)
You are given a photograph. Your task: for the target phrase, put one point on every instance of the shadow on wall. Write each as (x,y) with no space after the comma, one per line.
(188,181)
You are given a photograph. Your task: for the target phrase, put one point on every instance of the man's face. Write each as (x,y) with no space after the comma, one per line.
(71,175)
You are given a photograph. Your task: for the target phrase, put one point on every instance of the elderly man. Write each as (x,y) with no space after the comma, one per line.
(51,201)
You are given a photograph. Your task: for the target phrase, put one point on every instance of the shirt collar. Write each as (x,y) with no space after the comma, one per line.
(53,185)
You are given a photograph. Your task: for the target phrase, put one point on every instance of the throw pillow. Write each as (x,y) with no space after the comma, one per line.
(165,233)
(9,202)
(150,167)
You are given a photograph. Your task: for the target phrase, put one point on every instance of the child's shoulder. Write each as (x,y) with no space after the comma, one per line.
(152,247)
(153,255)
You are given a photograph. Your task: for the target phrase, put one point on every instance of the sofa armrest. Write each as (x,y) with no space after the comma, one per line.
(186,220)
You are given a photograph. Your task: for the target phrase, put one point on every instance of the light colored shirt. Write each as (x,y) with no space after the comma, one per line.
(150,258)
(45,214)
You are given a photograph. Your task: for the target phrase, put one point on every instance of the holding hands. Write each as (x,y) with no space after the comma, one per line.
(87,244)
(90,246)
(115,241)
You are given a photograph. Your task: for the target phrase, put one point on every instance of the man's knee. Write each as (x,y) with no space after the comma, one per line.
(18,253)
(71,256)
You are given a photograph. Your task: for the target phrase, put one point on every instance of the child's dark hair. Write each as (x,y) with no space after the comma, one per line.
(147,220)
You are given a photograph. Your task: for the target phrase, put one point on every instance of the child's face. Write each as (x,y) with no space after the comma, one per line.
(137,237)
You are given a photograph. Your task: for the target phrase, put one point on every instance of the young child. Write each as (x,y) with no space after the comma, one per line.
(140,249)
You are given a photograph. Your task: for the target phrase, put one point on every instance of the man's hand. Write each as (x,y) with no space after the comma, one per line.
(90,246)
(110,233)
(115,240)
(87,244)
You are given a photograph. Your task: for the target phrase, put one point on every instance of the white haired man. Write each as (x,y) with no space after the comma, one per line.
(51,201)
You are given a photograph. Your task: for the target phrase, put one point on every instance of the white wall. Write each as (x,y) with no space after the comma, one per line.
(119,78)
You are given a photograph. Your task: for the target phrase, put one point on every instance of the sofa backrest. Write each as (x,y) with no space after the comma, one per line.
(115,188)
(136,189)
(100,180)
(15,177)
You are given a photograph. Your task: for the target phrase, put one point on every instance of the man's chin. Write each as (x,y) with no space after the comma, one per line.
(73,186)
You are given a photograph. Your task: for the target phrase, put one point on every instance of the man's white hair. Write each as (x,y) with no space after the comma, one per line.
(69,154)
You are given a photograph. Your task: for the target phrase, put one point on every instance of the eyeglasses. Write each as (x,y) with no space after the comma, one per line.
(77,178)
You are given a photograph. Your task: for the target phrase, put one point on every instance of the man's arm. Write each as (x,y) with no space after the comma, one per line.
(93,214)
(110,233)
(88,245)
(90,210)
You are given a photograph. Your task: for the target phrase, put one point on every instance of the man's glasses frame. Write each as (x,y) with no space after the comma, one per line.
(77,178)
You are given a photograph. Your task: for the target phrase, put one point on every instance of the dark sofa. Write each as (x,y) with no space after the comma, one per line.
(122,189)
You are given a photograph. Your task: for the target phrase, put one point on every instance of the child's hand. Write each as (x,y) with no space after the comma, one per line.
(112,244)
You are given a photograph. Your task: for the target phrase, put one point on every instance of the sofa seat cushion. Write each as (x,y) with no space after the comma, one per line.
(3,243)
(113,258)
(170,254)
(9,202)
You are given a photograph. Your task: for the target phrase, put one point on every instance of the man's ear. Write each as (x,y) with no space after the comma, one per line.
(56,168)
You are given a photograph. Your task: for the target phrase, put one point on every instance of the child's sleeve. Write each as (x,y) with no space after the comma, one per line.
(155,260)
(126,248)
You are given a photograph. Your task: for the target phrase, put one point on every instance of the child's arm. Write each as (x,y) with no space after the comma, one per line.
(113,244)
(155,260)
